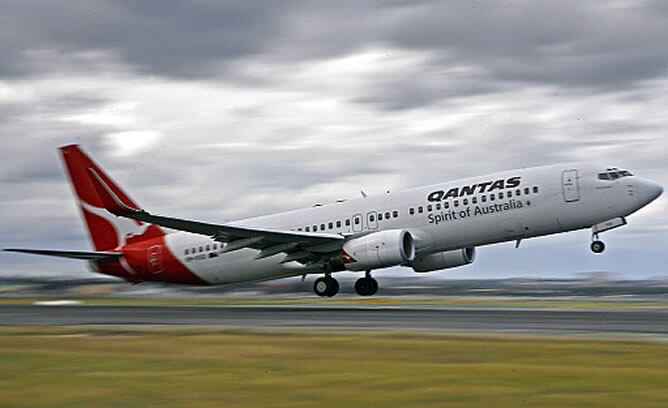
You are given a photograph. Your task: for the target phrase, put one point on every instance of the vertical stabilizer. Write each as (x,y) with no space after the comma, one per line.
(106,231)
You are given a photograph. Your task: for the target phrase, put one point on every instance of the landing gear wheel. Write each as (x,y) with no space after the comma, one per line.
(326,286)
(597,247)
(374,286)
(366,286)
(334,287)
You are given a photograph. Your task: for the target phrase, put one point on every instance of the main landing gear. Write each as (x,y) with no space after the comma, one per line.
(366,286)
(326,287)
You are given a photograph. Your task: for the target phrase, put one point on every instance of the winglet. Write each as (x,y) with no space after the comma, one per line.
(109,199)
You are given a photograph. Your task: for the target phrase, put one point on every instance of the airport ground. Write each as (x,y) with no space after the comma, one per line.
(585,302)
(134,366)
(345,352)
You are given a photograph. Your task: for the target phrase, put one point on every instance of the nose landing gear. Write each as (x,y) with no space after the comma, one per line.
(366,286)
(597,247)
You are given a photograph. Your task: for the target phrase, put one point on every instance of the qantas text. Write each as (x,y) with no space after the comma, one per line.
(478,188)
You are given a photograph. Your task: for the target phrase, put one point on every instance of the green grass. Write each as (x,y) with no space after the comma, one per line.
(52,367)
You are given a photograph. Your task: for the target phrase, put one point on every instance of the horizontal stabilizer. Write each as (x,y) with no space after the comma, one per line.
(84,255)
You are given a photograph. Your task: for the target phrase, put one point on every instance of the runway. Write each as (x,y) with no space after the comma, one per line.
(344,317)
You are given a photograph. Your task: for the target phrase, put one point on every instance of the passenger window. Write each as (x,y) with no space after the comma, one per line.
(308,229)
(474,200)
(446,205)
(338,224)
(420,209)
(526,191)
(483,199)
(215,247)
(208,248)
(438,207)
(466,201)
(518,192)
(380,217)
(509,193)
(322,227)
(299,229)
(535,189)
(186,252)
(492,197)
(201,249)
(331,225)
(411,211)
(429,207)
(315,228)
(456,203)
(387,215)
(501,196)
(372,218)
(357,221)
(395,214)
(348,223)
(193,250)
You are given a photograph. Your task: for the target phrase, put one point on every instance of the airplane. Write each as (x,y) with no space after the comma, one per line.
(427,228)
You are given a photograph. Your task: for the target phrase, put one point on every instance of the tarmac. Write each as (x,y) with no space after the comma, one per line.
(541,321)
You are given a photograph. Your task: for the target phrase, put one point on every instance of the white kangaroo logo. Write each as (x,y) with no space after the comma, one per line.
(124,227)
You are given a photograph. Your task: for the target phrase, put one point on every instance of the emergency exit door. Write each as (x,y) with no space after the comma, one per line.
(372,220)
(570,185)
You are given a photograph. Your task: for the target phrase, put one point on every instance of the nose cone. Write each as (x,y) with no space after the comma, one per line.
(649,190)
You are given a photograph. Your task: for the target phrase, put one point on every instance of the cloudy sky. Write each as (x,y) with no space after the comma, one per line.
(219,110)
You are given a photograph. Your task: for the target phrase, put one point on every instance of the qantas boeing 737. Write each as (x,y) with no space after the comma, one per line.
(426,228)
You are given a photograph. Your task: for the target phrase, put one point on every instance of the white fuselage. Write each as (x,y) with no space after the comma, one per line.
(547,200)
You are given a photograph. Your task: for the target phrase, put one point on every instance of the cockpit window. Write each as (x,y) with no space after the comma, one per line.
(614,174)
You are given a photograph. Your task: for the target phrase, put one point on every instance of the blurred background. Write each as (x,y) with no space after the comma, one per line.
(399,289)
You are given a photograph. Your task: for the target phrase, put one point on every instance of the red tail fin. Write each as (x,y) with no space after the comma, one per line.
(106,231)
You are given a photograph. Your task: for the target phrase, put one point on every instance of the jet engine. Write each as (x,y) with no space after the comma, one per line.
(443,260)
(378,250)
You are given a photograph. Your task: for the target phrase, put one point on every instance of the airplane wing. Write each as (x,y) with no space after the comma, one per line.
(85,255)
(268,241)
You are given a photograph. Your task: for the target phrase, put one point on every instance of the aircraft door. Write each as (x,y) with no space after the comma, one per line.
(154,260)
(570,185)
(372,220)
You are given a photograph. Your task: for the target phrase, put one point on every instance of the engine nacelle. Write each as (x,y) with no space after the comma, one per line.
(378,250)
(444,260)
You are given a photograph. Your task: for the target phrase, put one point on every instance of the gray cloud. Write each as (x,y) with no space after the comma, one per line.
(567,43)
(156,37)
